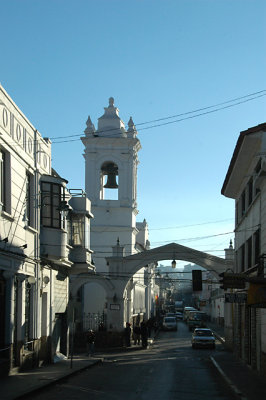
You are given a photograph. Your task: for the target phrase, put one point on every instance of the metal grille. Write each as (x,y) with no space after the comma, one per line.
(94,321)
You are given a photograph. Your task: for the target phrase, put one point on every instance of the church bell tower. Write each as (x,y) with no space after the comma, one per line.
(111,160)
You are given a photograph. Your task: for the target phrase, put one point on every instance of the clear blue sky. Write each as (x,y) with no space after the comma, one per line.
(62,59)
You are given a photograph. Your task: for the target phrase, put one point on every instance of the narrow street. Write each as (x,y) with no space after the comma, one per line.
(170,369)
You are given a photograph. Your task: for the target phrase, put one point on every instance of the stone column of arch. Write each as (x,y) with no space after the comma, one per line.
(114,296)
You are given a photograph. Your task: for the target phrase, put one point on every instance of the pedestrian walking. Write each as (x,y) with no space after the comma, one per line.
(90,339)
(127,334)
(150,326)
(156,325)
(144,334)
(136,334)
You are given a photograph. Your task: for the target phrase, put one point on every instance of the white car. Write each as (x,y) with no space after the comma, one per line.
(169,324)
(203,337)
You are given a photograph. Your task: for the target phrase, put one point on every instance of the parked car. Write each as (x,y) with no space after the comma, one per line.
(179,316)
(170,314)
(203,337)
(169,324)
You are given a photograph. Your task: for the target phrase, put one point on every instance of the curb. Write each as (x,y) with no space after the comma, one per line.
(106,350)
(233,387)
(220,338)
(71,372)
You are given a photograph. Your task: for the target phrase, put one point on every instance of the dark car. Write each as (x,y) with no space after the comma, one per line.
(203,337)
(179,316)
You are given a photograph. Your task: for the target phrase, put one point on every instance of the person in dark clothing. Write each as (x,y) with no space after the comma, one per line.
(144,334)
(90,338)
(156,325)
(136,334)
(150,326)
(127,334)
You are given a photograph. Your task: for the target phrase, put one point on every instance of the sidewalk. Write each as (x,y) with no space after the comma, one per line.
(244,382)
(19,384)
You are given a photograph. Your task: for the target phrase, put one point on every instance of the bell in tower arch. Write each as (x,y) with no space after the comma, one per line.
(111,181)
(111,170)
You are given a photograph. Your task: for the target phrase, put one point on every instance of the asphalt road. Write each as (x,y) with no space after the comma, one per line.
(170,369)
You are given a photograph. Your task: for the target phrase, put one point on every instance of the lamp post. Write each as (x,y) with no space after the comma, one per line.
(63,208)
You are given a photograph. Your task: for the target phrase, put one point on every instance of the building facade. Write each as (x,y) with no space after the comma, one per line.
(24,157)
(245,183)
(41,227)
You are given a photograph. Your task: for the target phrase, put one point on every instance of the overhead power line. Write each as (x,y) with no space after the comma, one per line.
(187,115)
(249,229)
(206,108)
(105,229)
(192,225)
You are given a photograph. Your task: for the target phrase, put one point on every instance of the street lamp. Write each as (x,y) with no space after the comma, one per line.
(63,208)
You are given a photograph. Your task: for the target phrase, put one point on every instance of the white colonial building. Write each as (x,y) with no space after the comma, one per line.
(39,246)
(245,183)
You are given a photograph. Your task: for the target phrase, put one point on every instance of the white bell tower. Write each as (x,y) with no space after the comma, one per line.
(111,160)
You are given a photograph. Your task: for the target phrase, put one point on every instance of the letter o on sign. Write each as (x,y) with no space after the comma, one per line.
(30,145)
(5,117)
(18,132)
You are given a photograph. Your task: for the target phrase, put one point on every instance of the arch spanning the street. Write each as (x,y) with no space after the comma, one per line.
(131,264)
(122,268)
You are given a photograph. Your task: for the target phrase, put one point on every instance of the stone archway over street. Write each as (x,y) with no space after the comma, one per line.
(131,264)
(120,265)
